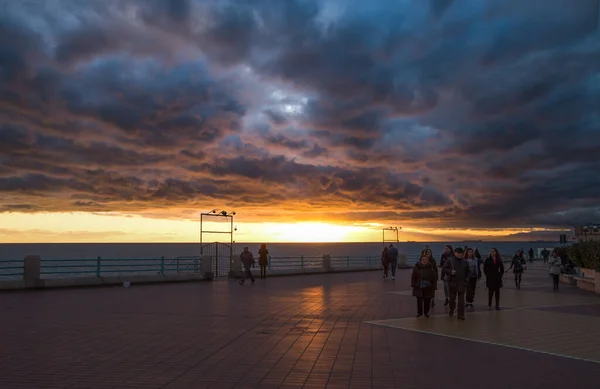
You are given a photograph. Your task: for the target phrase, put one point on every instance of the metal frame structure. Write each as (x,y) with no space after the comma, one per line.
(394,229)
(214,213)
(217,250)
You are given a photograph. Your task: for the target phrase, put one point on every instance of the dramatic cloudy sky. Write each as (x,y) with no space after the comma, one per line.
(436,115)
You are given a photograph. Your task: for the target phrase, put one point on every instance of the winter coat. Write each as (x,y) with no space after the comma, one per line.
(493,273)
(422,273)
(459,280)
(263,257)
(247,259)
(555,264)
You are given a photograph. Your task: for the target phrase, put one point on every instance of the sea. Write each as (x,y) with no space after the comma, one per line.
(12,251)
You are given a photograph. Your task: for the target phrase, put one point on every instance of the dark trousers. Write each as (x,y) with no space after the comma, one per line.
(263,271)
(492,292)
(247,274)
(386,269)
(518,277)
(471,290)
(394,266)
(454,295)
(423,305)
(555,281)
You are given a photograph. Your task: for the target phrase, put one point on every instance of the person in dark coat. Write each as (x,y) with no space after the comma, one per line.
(518,265)
(385,262)
(475,275)
(456,272)
(429,254)
(447,253)
(422,281)
(493,270)
(263,260)
(247,261)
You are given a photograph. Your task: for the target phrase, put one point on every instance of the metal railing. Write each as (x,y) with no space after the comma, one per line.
(99,267)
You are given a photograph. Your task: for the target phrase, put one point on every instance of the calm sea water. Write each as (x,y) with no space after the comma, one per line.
(171,250)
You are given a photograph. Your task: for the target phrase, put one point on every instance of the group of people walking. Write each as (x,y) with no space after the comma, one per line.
(460,270)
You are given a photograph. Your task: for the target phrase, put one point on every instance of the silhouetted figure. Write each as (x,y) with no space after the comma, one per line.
(555,264)
(474,275)
(494,271)
(393,257)
(385,262)
(263,260)
(456,271)
(422,281)
(447,252)
(247,261)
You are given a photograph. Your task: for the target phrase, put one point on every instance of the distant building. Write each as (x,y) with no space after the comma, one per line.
(587,233)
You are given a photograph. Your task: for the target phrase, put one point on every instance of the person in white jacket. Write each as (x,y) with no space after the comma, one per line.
(554,263)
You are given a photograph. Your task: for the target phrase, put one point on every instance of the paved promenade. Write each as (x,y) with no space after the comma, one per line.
(350,330)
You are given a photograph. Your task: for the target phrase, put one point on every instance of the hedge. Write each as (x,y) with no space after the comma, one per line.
(586,254)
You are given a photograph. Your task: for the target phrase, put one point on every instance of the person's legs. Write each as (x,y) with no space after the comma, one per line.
(471,290)
(386,270)
(250,275)
(453,294)
(394,266)
(433,299)
(555,281)
(446,292)
(461,305)
(243,276)
(497,293)
(426,305)
(519,276)
(490,294)
(419,306)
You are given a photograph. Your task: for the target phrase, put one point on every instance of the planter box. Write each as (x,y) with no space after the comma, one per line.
(568,279)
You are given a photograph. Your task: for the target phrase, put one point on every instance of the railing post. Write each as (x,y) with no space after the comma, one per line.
(348,261)
(98,261)
(302,262)
(162,265)
(177,265)
(32,268)
(269,262)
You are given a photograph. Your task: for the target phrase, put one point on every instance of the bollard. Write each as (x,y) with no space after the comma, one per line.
(32,268)
(98,261)
(162,265)
(269,262)
(302,262)
(327,262)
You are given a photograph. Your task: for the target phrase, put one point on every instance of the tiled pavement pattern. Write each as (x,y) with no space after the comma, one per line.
(293,332)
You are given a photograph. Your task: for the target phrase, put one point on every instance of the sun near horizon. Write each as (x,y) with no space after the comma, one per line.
(82,227)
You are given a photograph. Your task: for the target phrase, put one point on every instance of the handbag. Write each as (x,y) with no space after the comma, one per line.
(425,284)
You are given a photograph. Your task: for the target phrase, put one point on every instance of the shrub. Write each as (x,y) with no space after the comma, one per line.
(586,254)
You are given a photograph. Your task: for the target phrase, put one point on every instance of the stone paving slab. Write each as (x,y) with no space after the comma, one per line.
(573,336)
(284,332)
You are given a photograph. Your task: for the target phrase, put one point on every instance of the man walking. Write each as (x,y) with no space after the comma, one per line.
(247,260)
(456,271)
(545,255)
(393,259)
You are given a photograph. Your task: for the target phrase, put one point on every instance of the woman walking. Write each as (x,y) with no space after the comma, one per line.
(385,262)
(494,270)
(263,260)
(422,280)
(517,265)
(448,252)
(554,263)
(429,254)
(474,275)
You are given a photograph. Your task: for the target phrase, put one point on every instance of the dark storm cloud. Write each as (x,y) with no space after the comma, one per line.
(459,113)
